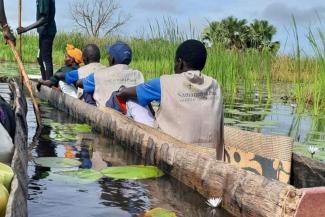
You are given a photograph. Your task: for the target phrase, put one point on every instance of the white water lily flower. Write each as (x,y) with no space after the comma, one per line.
(214,202)
(313,149)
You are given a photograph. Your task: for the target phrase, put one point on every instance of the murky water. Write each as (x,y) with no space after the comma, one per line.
(9,69)
(278,117)
(50,196)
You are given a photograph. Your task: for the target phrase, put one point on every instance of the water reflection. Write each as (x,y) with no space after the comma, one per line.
(50,196)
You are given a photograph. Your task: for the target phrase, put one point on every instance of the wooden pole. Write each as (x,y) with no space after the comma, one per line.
(26,81)
(19,25)
(20,37)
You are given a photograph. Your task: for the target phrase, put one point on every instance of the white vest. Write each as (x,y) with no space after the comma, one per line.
(111,79)
(86,70)
(191,109)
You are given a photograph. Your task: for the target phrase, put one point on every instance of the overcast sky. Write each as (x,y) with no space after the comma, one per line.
(198,13)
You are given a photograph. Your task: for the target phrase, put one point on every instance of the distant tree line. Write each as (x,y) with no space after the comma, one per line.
(235,33)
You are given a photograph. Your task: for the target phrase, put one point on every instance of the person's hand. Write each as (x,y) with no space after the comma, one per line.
(21,30)
(38,86)
(8,36)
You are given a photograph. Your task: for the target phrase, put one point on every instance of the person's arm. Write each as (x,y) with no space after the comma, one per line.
(144,94)
(7,34)
(80,84)
(40,22)
(44,9)
(59,75)
(128,93)
(87,84)
(71,77)
(3,19)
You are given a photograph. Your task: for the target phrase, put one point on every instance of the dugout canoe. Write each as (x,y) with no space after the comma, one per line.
(17,203)
(244,193)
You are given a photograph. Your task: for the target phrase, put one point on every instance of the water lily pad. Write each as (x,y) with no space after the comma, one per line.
(261,112)
(247,124)
(83,176)
(81,128)
(236,112)
(57,162)
(159,212)
(230,121)
(248,105)
(62,136)
(132,172)
(49,122)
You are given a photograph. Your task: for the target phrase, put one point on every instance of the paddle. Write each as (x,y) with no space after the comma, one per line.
(26,81)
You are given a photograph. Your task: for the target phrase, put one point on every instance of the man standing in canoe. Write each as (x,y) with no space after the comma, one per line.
(7,34)
(46,28)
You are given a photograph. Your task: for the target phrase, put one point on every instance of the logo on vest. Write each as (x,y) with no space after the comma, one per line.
(196,96)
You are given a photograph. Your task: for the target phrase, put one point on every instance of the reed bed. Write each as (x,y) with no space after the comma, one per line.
(250,70)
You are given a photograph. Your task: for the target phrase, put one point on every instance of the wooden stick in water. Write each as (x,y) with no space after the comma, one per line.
(26,81)
(19,25)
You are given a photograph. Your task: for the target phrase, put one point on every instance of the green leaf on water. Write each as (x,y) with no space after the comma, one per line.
(80,128)
(236,112)
(159,212)
(63,137)
(230,121)
(248,105)
(83,176)
(57,162)
(134,172)
(262,112)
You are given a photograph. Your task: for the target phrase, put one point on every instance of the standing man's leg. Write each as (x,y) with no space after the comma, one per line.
(40,58)
(46,54)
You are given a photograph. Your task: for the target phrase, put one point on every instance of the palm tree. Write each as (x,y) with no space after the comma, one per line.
(235,33)
(230,32)
(261,34)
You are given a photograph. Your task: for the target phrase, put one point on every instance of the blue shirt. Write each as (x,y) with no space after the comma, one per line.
(89,83)
(148,92)
(71,77)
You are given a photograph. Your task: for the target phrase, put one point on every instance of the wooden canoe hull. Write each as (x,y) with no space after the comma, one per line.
(17,203)
(244,193)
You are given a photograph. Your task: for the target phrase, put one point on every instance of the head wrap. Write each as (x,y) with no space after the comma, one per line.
(75,53)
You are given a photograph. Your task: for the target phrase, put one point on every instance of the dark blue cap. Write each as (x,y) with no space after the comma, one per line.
(121,52)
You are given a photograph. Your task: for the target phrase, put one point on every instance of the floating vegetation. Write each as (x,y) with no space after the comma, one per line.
(248,106)
(159,212)
(230,121)
(64,132)
(57,162)
(261,112)
(80,128)
(82,176)
(87,176)
(134,172)
(236,112)
(257,124)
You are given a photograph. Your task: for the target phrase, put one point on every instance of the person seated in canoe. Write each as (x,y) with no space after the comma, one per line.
(91,59)
(73,58)
(191,104)
(103,83)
